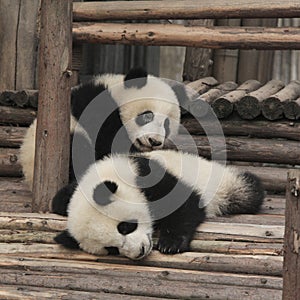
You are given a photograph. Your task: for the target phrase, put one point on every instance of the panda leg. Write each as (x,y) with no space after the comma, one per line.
(62,198)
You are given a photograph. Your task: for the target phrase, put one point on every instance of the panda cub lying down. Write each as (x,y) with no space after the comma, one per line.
(122,199)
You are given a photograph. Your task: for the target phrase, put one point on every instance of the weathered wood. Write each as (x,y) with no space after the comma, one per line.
(238,127)
(257,264)
(273,205)
(19,35)
(197,61)
(225,61)
(9,164)
(256,64)
(11,136)
(11,115)
(7,97)
(52,138)
(194,36)
(291,267)
(273,106)
(202,85)
(223,106)
(198,109)
(249,107)
(291,109)
(185,10)
(243,149)
(25,292)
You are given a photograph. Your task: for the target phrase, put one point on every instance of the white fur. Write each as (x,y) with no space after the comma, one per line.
(214,181)
(156,96)
(95,226)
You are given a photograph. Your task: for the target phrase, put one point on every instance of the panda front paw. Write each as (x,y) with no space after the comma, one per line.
(172,244)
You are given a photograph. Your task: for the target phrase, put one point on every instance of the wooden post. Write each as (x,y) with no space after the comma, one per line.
(53,121)
(291,266)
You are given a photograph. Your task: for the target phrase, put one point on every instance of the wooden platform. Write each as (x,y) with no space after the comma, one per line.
(232,258)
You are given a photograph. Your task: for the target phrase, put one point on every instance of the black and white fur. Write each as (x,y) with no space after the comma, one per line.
(116,205)
(144,109)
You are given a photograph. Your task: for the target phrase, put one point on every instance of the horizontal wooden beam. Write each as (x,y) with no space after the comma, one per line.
(194,36)
(243,149)
(188,9)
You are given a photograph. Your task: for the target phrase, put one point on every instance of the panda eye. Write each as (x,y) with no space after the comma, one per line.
(127,227)
(144,118)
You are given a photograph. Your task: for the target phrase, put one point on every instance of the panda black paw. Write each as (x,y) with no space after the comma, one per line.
(172,244)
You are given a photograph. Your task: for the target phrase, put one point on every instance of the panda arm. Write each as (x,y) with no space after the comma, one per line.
(177,229)
(65,239)
(62,198)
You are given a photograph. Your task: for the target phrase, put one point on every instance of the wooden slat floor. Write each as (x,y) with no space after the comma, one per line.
(238,257)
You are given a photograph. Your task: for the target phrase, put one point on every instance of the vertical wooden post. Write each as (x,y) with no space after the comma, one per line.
(53,121)
(291,265)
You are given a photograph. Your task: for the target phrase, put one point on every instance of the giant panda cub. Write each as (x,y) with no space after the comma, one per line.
(121,199)
(114,113)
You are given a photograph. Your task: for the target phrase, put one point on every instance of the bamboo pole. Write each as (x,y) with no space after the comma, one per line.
(53,138)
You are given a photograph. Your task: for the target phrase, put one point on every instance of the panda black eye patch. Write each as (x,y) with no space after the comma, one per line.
(127,227)
(144,118)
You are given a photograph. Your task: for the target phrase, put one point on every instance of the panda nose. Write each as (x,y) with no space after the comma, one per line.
(154,143)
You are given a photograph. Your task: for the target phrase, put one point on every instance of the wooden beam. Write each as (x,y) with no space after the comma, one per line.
(291,267)
(194,36)
(19,116)
(243,149)
(188,9)
(53,138)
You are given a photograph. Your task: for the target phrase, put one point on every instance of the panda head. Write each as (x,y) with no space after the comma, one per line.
(106,212)
(149,109)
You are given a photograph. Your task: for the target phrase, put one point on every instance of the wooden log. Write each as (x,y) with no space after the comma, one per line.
(243,149)
(202,85)
(53,138)
(238,127)
(8,98)
(25,292)
(32,221)
(194,36)
(184,10)
(11,136)
(11,115)
(272,107)
(200,109)
(27,98)
(249,107)
(137,280)
(291,267)
(223,106)
(9,162)
(291,109)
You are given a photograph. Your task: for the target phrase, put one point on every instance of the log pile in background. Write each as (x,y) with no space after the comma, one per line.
(250,100)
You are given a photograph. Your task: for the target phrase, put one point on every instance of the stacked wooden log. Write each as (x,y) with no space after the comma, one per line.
(250,100)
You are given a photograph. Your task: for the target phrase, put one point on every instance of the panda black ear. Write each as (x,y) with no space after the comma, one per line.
(103,192)
(136,77)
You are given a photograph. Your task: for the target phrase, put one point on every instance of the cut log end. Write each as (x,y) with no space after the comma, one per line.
(248,107)
(272,108)
(222,108)
(291,110)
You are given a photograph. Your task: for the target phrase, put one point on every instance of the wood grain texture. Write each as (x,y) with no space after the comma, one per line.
(16,116)
(291,109)
(9,162)
(194,36)
(188,9)
(11,136)
(242,149)
(291,268)
(53,138)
